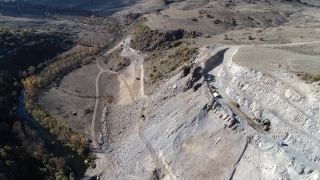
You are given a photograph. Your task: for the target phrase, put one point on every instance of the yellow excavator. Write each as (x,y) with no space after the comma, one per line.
(254,118)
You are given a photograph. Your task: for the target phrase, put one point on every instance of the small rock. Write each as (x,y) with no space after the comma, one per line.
(174,86)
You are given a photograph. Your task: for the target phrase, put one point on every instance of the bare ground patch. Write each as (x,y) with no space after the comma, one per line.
(264,58)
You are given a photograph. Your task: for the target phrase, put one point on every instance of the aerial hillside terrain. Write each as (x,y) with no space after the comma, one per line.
(165,89)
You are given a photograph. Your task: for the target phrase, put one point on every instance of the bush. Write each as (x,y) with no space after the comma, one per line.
(310,77)
(161,62)
(193,19)
(154,69)
(260,38)
(176,43)
(232,22)
(155,77)
(201,11)
(259,31)
(256,23)
(250,37)
(118,63)
(209,16)
(92,165)
(316,77)
(172,68)
(216,21)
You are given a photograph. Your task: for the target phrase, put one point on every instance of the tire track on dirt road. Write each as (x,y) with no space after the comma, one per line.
(159,163)
(102,157)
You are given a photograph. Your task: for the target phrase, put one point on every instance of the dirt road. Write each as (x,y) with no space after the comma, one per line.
(134,86)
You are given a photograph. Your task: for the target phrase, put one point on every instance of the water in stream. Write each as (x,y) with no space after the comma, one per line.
(51,144)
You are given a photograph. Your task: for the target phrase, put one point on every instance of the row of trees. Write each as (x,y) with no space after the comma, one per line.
(35,83)
(52,167)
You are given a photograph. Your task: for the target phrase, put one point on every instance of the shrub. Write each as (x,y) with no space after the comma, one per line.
(255,22)
(176,43)
(260,38)
(266,19)
(92,165)
(87,111)
(216,21)
(306,76)
(226,37)
(118,63)
(154,69)
(310,77)
(161,62)
(172,68)
(259,31)
(250,37)
(209,16)
(201,11)
(193,19)
(232,22)
(316,77)
(156,76)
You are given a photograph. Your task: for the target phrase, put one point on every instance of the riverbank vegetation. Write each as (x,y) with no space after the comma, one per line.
(35,83)
(22,154)
(19,145)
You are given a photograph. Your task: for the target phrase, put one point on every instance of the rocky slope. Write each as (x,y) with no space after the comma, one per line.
(183,132)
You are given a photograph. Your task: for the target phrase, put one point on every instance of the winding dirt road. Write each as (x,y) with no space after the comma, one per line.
(135,89)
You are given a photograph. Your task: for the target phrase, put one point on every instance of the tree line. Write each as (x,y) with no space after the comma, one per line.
(35,83)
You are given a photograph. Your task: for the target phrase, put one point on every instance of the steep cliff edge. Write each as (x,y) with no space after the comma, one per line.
(187,133)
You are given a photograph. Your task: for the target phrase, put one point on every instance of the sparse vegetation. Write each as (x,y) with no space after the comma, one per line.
(310,77)
(256,23)
(155,77)
(201,11)
(217,21)
(193,19)
(176,43)
(248,18)
(209,15)
(226,37)
(266,19)
(118,63)
(230,21)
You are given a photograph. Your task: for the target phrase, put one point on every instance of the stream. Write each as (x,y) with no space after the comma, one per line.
(51,144)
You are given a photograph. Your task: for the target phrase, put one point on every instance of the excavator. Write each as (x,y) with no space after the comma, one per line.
(265,122)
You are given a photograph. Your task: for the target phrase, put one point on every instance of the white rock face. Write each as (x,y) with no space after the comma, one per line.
(182,138)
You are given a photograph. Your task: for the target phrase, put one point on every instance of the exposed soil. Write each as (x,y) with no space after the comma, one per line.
(248,52)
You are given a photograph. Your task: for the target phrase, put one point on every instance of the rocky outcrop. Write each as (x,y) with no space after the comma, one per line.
(103,132)
(292,111)
(188,127)
(213,61)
